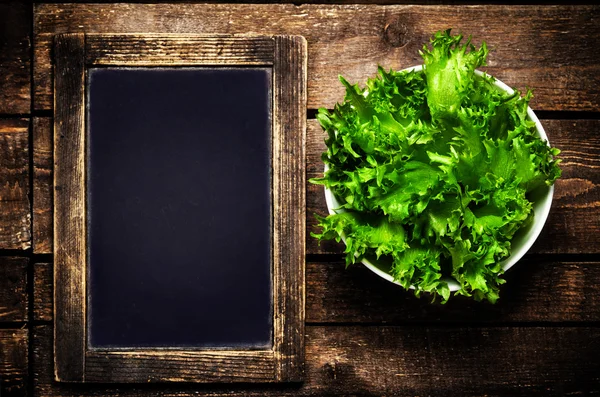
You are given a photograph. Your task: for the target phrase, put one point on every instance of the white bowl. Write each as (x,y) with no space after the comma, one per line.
(523,239)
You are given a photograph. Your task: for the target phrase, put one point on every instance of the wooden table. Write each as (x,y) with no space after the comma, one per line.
(364,336)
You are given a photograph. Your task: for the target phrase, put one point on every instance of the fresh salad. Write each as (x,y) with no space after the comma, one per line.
(434,170)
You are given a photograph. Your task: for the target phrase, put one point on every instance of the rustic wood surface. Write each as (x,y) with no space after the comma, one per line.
(43,292)
(289,205)
(15,217)
(364,336)
(14,362)
(70,249)
(224,366)
(162,50)
(42,185)
(13,290)
(400,361)
(15,58)
(548,48)
(538,290)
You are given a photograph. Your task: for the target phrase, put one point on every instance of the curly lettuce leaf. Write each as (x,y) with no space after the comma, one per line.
(367,234)
(450,68)
(434,170)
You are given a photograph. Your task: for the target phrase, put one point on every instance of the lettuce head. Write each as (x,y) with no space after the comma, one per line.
(434,169)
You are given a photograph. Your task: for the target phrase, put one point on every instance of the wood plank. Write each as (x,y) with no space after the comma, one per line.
(42,185)
(454,361)
(225,366)
(538,290)
(43,292)
(573,225)
(574,221)
(15,218)
(289,205)
(14,362)
(545,48)
(13,289)
(156,50)
(400,361)
(382,2)
(69,212)
(15,58)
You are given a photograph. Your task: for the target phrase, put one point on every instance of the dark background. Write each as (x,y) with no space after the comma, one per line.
(179,206)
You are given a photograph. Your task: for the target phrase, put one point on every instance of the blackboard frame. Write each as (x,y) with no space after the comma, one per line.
(74,360)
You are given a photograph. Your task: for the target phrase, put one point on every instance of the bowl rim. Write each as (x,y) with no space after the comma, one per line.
(541,206)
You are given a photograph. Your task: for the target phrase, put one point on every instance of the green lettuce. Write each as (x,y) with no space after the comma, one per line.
(435,169)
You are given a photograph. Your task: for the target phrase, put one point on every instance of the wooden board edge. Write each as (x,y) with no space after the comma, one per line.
(289,74)
(178,49)
(42,205)
(166,365)
(69,212)
(14,299)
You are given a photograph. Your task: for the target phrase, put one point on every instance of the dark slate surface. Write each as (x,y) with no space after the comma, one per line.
(179,199)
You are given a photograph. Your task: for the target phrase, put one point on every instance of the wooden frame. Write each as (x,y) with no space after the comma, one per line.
(74,360)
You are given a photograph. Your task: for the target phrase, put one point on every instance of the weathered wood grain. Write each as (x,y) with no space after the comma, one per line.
(15,58)
(177,50)
(13,289)
(225,366)
(574,221)
(573,225)
(538,290)
(69,212)
(14,362)
(42,185)
(454,361)
(400,361)
(43,292)
(289,204)
(341,2)
(15,218)
(543,47)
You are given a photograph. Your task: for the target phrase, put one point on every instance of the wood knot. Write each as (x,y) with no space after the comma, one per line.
(330,370)
(396,33)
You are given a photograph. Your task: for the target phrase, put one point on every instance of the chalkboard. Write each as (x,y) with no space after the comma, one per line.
(179,207)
